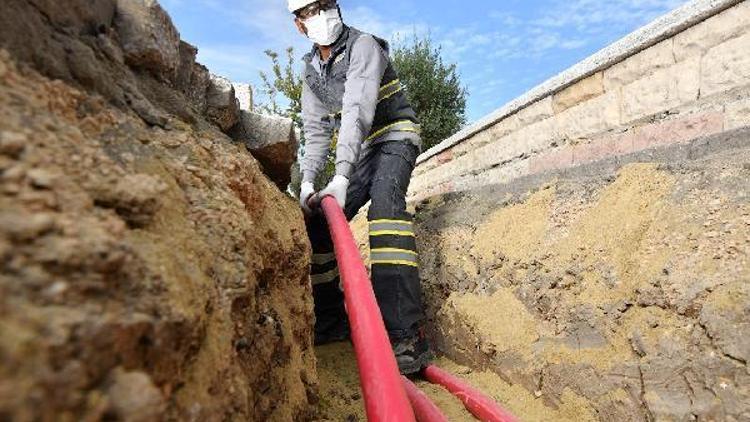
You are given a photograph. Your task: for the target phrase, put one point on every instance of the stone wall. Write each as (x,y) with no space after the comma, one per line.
(685,76)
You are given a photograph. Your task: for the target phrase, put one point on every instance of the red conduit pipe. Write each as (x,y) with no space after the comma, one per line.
(424,409)
(481,406)
(384,393)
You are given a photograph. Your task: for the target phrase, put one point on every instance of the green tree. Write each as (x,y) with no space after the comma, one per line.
(434,89)
(284,80)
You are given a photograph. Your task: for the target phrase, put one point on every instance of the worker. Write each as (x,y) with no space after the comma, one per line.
(354,103)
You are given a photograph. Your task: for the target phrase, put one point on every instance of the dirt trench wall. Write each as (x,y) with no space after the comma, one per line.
(149,270)
(593,245)
(625,288)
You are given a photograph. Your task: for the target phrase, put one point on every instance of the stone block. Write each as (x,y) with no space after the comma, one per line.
(537,137)
(147,36)
(697,40)
(602,148)
(498,152)
(272,141)
(505,127)
(476,141)
(440,173)
(579,92)
(244,94)
(636,67)
(426,165)
(422,194)
(737,114)
(677,131)
(222,107)
(535,112)
(662,90)
(445,156)
(726,66)
(429,175)
(457,167)
(495,176)
(591,117)
(553,160)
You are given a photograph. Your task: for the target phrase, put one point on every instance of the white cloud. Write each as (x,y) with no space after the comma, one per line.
(573,44)
(566,25)
(505,18)
(585,14)
(368,20)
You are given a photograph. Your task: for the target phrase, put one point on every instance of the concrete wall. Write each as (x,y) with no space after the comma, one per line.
(684,76)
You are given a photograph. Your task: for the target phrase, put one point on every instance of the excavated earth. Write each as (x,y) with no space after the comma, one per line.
(621,289)
(149,270)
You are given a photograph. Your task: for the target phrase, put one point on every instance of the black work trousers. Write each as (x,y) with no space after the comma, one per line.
(382,176)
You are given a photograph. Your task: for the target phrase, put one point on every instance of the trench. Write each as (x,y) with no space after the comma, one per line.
(153,268)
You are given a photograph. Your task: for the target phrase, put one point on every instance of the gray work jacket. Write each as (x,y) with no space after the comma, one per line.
(355,96)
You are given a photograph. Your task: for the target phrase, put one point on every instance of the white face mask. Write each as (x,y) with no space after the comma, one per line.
(325,27)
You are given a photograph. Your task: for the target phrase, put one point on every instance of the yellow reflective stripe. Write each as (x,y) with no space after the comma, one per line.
(390,95)
(394,250)
(324,258)
(324,278)
(384,95)
(412,127)
(392,221)
(398,227)
(395,262)
(390,84)
(390,90)
(392,233)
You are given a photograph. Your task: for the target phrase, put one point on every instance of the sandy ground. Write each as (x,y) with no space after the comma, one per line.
(624,290)
(341,396)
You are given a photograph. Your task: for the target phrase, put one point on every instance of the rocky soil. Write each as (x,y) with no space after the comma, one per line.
(625,291)
(149,269)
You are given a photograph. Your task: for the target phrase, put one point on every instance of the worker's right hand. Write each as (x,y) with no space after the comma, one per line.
(307,189)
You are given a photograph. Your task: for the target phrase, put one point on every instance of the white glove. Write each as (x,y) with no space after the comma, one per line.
(337,188)
(307,189)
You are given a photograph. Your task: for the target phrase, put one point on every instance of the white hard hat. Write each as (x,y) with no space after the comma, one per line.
(295,5)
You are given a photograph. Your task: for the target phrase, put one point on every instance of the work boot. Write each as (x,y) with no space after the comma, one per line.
(412,354)
(340,332)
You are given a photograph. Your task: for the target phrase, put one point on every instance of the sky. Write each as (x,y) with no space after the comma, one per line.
(501,48)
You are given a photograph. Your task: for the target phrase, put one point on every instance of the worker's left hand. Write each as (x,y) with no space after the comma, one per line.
(307,190)
(337,188)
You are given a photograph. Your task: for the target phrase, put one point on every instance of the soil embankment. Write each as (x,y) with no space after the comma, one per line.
(621,285)
(149,270)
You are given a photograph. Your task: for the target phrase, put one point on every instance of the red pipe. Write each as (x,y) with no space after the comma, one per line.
(481,406)
(424,409)
(383,391)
